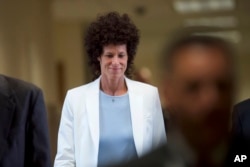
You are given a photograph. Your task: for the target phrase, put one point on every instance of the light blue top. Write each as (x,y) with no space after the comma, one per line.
(116,142)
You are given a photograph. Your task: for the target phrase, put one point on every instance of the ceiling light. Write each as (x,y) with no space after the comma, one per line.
(220,21)
(190,6)
(231,35)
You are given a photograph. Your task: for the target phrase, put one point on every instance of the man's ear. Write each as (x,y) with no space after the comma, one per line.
(99,59)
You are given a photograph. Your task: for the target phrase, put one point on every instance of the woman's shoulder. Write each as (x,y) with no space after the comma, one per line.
(140,85)
(82,89)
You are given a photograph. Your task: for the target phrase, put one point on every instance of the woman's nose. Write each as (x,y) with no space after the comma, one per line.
(115,60)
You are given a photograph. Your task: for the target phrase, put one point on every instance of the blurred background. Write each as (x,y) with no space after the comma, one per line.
(41,41)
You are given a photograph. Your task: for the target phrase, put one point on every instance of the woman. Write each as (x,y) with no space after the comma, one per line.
(112,119)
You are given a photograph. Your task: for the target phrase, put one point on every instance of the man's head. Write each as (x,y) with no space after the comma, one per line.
(199,88)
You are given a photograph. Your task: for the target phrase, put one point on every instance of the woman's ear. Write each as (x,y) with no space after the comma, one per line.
(99,59)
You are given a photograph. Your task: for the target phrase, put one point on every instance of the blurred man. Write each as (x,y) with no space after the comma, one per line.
(24,139)
(199,91)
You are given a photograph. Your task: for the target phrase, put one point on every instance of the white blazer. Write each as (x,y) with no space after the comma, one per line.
(78,136)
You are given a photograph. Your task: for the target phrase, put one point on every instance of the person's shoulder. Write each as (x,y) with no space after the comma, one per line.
(20,89)
(141,86)
(241,111)
(19,85)
(242,107)
(244,103)
(82,89)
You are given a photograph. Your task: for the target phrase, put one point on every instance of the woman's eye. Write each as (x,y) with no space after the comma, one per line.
(109,56)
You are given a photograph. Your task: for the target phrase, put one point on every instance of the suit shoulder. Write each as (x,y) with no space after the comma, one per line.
(243,105)
(22,90)
(142,86)
(19,85)
(242,109)
(79,90)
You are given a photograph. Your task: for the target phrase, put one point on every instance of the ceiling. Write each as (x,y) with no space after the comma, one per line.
(158,18)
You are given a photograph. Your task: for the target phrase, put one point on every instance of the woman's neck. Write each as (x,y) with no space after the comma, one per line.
(113,87)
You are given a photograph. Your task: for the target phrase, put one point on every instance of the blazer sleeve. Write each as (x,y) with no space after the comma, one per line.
(159,133)
(38,145)
(65,156)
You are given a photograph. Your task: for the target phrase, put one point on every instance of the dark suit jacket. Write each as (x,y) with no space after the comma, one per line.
(241,119)
(24,139)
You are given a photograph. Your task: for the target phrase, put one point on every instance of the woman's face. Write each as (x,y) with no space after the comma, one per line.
(113,61)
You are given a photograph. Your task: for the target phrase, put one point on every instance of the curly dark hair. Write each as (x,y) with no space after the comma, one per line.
(111,28)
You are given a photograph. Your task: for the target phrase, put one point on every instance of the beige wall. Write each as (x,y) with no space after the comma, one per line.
(26,48)
(68,50)
(243,76)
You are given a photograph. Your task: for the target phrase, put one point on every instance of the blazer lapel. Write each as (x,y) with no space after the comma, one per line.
(93,112)
(136,108)
(7,108)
